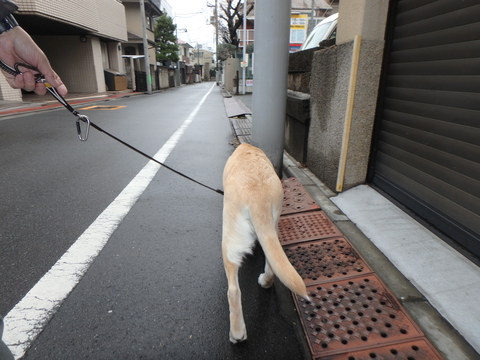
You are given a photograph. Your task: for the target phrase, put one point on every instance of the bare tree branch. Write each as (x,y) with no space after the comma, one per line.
(231,12)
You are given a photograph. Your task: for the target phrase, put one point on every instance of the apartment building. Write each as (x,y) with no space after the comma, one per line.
(81,39)
(133,47)
(185,63)
(204,59)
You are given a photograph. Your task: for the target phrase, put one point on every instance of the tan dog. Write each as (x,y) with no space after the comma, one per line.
(252,205)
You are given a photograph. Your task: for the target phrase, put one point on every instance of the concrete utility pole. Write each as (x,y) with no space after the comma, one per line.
(145,46)
(244,67)
(272,34)
(217,70)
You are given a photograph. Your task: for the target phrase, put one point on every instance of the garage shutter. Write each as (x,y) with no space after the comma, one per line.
(427,148)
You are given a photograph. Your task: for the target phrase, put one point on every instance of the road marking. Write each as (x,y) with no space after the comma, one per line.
(28,318)
(103,107)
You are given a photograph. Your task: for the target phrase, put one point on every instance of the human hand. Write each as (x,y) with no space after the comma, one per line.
(17,46)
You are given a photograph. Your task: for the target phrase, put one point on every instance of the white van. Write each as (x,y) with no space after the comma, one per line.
(324,30)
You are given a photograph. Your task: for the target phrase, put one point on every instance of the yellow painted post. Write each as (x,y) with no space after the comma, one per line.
(348,114)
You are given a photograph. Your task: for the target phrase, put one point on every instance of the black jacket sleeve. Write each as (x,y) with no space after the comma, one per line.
(7,7)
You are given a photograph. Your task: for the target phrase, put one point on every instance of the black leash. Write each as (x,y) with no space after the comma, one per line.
(152,158)
(83,135)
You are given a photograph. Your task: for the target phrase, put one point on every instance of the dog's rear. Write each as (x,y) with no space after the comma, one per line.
(252,205)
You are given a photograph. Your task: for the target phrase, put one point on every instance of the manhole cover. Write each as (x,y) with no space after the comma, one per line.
(322,260)
(301,227)
(353,314)
(412,350)
(295,198)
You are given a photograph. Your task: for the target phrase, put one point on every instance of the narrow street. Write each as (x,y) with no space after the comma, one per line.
(157,289)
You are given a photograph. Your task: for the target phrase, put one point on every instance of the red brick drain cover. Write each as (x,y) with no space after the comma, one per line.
(301,227)
(353,314)
(412,350)
(319,261)
(295,198)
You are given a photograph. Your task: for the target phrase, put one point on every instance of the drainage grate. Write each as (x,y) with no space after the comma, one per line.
(412,350)
(321,260)
(306,226)
(295,198)
(241,126)
(353,314)
(245,139)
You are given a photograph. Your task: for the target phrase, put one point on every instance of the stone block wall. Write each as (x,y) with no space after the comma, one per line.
(329,86)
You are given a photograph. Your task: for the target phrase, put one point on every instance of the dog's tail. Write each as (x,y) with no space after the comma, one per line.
(267,236)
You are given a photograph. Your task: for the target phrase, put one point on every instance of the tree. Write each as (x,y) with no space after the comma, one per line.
(225,51)
(231,12)
(165,39)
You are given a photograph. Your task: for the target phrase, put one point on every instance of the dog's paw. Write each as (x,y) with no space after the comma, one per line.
(265,281)
(236,338)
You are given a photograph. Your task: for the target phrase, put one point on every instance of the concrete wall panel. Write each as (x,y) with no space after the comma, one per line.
(329,91)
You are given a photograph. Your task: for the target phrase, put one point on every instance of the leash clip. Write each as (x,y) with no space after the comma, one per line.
(82,135)
(86,120)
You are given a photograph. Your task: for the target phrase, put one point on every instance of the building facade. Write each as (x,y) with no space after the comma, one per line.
(133,48)
(87,41)
(204,58)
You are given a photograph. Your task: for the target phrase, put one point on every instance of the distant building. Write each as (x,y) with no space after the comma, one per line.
(185,61)
(203,58)
(133,47)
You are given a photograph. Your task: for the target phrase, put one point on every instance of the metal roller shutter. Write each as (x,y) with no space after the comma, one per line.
(427,144)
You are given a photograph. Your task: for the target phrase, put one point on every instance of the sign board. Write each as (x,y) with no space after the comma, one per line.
(244,63)
(298,28)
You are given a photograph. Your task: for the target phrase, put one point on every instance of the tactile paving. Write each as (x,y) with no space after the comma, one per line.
(322,260)
(412,350)
(353,314)
(295,198)
(302,227)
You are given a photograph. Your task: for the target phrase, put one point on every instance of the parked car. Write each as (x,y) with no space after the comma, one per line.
(324,30)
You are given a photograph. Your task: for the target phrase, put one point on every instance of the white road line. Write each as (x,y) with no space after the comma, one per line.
(28,318)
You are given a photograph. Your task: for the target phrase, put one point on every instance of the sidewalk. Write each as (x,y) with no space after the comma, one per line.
(32,102)
(418,275)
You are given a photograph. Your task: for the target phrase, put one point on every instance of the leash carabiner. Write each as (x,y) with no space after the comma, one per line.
(86,120)
(61,100)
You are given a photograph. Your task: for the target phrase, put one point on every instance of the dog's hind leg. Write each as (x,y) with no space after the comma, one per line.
(238,331)
(237,241)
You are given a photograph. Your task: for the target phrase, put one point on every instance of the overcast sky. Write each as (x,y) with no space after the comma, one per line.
(194,15)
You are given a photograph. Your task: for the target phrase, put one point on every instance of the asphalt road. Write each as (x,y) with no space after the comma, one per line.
(157,290)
